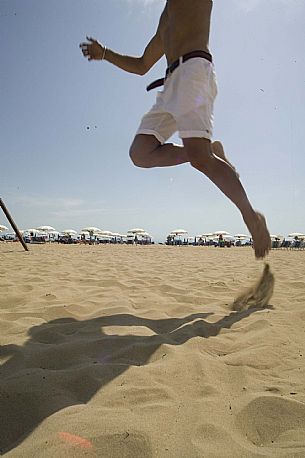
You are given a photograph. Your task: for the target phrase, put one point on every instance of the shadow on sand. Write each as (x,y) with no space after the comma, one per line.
(43,376)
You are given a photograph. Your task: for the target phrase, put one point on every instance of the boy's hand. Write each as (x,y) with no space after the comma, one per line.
(92,50)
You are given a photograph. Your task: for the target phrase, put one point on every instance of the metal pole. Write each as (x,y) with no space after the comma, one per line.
(12,223)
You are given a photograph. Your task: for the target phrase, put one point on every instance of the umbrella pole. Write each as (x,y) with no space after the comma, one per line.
(12,223)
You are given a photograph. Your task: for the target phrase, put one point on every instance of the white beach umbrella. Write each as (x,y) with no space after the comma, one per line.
(91,229)
(136,231)
(46,228)
(3,228)
(69,232)
(106,233)
(272,236)
(221,233)
(296,234)
(241,236)
(31,230)
(178,232)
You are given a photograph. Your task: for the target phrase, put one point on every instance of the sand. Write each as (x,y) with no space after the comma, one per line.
(130,351)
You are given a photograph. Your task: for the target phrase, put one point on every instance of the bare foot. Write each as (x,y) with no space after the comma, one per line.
(260,234)
(218,150)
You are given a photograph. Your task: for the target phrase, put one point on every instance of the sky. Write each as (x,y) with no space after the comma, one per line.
(66,124)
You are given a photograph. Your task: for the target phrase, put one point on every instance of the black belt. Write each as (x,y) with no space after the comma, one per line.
(174,65)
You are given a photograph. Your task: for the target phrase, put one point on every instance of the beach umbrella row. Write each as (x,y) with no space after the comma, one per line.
(92,230)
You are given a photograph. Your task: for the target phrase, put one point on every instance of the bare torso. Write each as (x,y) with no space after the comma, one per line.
(185,26)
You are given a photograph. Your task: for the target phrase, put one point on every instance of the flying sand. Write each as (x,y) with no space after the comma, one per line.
(257,295)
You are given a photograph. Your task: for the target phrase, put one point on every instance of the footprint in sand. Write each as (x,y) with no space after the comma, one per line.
(273,421)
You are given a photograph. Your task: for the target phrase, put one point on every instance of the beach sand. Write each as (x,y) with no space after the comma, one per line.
(134,351)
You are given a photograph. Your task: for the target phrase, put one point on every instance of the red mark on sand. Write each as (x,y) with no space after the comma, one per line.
(75,440)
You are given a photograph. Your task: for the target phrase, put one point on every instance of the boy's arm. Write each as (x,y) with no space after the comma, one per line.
(93,50)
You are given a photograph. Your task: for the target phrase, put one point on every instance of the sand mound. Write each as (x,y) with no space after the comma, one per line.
(271,420)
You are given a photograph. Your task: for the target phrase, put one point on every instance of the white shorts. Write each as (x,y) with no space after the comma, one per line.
(185,104)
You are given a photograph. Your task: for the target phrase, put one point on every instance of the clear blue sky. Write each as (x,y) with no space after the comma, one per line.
(55,171)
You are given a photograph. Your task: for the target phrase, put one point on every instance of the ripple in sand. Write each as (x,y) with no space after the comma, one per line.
(205,437)
(126,444)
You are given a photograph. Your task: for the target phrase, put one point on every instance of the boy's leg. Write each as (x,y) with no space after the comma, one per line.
(221,173)
(147,152)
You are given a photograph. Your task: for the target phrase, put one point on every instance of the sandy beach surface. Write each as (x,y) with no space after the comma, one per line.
(133,351)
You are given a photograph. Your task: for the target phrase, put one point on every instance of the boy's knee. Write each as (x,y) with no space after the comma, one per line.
(133,154)
(141,150)
(199,152)
(200,164)
(138,158)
